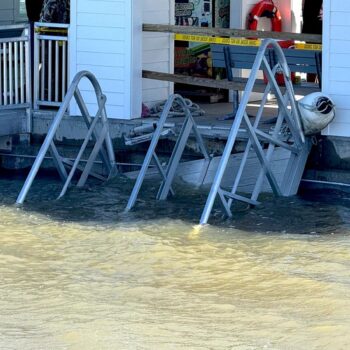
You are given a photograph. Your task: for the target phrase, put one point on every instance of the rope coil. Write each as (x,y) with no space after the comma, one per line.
(177,110)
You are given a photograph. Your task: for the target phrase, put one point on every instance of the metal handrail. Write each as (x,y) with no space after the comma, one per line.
(168,175)
(291,116)
(107,157)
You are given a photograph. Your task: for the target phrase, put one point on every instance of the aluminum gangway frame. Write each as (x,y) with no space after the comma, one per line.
(97,130)
(262,143)
(168,174)
(259,141)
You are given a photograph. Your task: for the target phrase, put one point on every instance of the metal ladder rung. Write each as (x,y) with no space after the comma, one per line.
(69,163)
(239,198)
(262,135)
(147,137)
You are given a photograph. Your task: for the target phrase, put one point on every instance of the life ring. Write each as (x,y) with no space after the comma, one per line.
(265,8)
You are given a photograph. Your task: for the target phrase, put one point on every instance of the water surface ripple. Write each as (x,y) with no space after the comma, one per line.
(80,274)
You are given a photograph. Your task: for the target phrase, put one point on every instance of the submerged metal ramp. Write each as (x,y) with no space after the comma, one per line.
(168,174)
(97,130)
(288,119)
(286,133)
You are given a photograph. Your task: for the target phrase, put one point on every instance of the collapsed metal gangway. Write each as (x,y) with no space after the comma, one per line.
(260,142)
(97,130)
(288,117)
(168,174)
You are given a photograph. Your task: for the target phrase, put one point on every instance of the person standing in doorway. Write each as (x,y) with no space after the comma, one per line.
(312,16)
(34,8)
(312,23)
(55,11)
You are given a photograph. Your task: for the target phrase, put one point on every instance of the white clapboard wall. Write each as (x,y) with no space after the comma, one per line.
(105,39)
(336,63)
(7,12)
(158,50)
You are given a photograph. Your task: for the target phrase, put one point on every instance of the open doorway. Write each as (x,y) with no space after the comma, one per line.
(195,59)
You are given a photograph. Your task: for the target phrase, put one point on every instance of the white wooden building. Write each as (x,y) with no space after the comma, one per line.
(336,62)
(106,38)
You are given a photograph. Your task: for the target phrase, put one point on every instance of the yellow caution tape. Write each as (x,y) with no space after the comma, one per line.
(238,42)
(305,46)
(44,30)
(217,40)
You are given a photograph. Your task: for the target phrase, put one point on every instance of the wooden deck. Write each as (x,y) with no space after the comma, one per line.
(215,126)
(214,123)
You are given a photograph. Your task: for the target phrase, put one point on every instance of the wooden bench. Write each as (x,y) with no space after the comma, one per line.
(239,57)
(302,61)
(236,57)
(242,57)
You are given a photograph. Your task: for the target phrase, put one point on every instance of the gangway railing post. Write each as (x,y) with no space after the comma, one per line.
(100,137)
(42,152)
(290,116)
(175,159)
(78,158)
(168,176)
(151,150)
(232,137)
(58,162)
(107,158)
(261,176)
(249,145)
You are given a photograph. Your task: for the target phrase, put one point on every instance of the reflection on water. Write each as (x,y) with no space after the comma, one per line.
(80,274)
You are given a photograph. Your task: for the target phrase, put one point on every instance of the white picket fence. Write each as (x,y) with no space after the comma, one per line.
(50,64)
(15,83)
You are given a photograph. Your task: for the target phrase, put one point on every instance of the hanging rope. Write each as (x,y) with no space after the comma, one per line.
(177,109)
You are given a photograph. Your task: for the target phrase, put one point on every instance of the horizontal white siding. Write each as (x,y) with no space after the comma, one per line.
(158,52)
(105,39)
(7,8)
(336,63)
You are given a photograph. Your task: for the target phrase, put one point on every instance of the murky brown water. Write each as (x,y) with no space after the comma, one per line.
(75,274)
